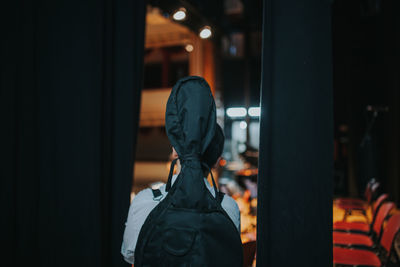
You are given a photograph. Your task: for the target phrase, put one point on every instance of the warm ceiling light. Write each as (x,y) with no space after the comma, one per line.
(254,111)
(180,14)
(236,112)
(205,32)
(189,48)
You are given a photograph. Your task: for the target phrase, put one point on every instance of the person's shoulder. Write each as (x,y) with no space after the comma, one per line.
(142,203)
(230,202)
(147,194)
(232,209)
(143,195)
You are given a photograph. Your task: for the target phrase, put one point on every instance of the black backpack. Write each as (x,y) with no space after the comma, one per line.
(189,227)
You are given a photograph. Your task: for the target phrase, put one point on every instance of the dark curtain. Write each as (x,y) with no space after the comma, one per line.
(71,76)
(294,225)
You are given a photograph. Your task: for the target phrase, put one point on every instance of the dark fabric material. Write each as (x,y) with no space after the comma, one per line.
(215,149)
(190,117)
(156,193)
(189,227)
(70,92)
(294,226)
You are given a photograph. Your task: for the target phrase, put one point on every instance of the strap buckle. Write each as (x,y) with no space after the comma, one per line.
(157,195)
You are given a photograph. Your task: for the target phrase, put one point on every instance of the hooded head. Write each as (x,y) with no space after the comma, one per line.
(215,148)
(190,118)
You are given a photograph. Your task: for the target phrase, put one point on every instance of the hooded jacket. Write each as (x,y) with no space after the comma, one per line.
(189,227)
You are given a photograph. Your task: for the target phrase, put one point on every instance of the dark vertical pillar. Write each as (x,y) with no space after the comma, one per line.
(71,77)
(296,143)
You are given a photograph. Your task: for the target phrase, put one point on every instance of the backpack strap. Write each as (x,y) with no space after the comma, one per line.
(157,195)
(212,179)
(220,196)
(171,172)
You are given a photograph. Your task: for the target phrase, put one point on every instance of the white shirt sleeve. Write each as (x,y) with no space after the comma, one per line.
(232,209)
(229,205)
(140,208)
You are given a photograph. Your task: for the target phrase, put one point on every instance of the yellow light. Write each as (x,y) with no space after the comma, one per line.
(205,32)
(189,48)
(179,14)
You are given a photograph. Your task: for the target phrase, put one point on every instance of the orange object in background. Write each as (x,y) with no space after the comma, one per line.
(247,172)
(222,162)
(246,195)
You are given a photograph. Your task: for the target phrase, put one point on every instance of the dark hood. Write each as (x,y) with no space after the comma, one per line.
(190,118)
(215,148)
